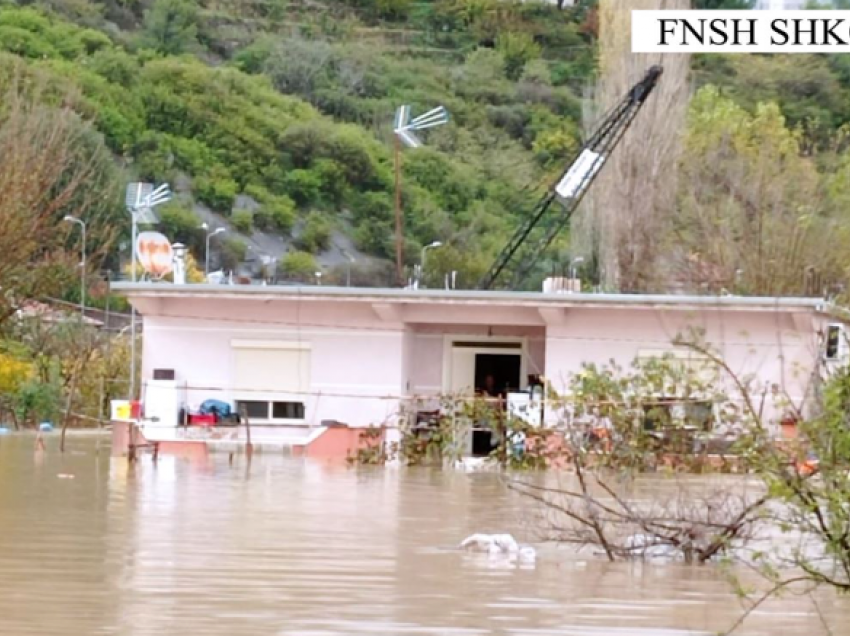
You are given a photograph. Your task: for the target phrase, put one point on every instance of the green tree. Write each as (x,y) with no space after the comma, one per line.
(181,225)
(50,164)
(171,26)
(751,212)
(315,235)
(217,189)
(232,252)
(299,266)
(518,49)
(243,221)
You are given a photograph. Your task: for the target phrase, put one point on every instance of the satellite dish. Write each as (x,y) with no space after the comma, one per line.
(155,254)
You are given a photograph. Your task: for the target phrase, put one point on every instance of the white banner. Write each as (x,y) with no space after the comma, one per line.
(818,31)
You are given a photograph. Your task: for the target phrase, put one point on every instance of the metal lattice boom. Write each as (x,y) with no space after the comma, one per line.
(570,188)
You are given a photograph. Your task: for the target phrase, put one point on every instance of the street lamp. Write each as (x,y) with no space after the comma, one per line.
(219,230)
(350,261)
(405,130)
(424,253)
(82,224)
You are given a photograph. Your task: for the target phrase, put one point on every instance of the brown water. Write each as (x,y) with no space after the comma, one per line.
(292,548)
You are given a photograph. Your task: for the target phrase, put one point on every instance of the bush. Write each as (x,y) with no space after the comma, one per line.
(299,265)
(181,225)
(518,49)
(316,234)
(304,186)
(243,221)
(375,238)
(23,43)
(38,401)
(281,211)
(537,72)
(116,66)
(232,252)
(253,57)
(171,26)
(296,65)
(217,189)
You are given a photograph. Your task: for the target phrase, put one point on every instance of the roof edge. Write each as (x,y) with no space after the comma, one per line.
(147,289)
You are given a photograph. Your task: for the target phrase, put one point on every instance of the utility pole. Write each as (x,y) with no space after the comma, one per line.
(399,223)
(405,133)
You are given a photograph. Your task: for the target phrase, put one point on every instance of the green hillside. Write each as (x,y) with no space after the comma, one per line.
(274,117)
(289,106)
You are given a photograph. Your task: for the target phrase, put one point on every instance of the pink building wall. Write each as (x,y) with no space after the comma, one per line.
(368,352)
(772,348)
(353,352)
(429,348)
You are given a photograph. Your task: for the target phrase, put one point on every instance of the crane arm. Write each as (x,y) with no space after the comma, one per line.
(571,186)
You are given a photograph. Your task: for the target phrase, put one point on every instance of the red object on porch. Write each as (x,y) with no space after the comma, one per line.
(202,420)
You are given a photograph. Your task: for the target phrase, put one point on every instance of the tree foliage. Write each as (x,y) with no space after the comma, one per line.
(171,26)
(754,217)
(52,164)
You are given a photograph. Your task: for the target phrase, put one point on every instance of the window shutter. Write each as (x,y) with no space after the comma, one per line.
(273,366)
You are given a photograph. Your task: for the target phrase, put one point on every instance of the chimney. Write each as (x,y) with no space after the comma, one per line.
(179,263)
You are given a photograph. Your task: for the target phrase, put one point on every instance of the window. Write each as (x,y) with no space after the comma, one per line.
(265,411)
(833,342)
(666,412)
(254,410)
(288,410)
(277,372)
(694,362)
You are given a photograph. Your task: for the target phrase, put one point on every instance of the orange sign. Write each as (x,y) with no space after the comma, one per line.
(154,253)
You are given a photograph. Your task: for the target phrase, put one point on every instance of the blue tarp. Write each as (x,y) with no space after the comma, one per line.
(216,406)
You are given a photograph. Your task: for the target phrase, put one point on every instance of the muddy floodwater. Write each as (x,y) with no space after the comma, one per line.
(287,547)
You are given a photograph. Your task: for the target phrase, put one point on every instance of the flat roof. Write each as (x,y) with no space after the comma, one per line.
(378,294)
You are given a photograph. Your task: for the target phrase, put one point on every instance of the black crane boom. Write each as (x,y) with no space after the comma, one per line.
(571,186)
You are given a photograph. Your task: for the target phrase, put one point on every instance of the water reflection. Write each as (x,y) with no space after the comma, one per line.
(292,548)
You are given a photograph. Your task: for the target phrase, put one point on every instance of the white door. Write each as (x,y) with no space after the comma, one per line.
(462,372)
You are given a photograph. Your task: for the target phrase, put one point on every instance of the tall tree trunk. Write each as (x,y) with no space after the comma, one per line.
(72,389)
(621,225)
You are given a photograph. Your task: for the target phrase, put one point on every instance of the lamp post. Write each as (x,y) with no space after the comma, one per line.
(216,231)
(82,224)
(424,254)
(349,262)
(405,129)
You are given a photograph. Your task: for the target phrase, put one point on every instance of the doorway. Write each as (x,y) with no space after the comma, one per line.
(505,369)
(468,362)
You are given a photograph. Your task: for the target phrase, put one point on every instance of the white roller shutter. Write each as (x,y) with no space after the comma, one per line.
(272,366)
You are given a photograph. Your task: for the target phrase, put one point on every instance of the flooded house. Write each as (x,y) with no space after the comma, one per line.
(311,366)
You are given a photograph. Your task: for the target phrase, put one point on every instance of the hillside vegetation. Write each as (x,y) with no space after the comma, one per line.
(275,116)
(279,116)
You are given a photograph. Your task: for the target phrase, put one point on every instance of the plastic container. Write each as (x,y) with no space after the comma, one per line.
(45,427)
(202,420)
